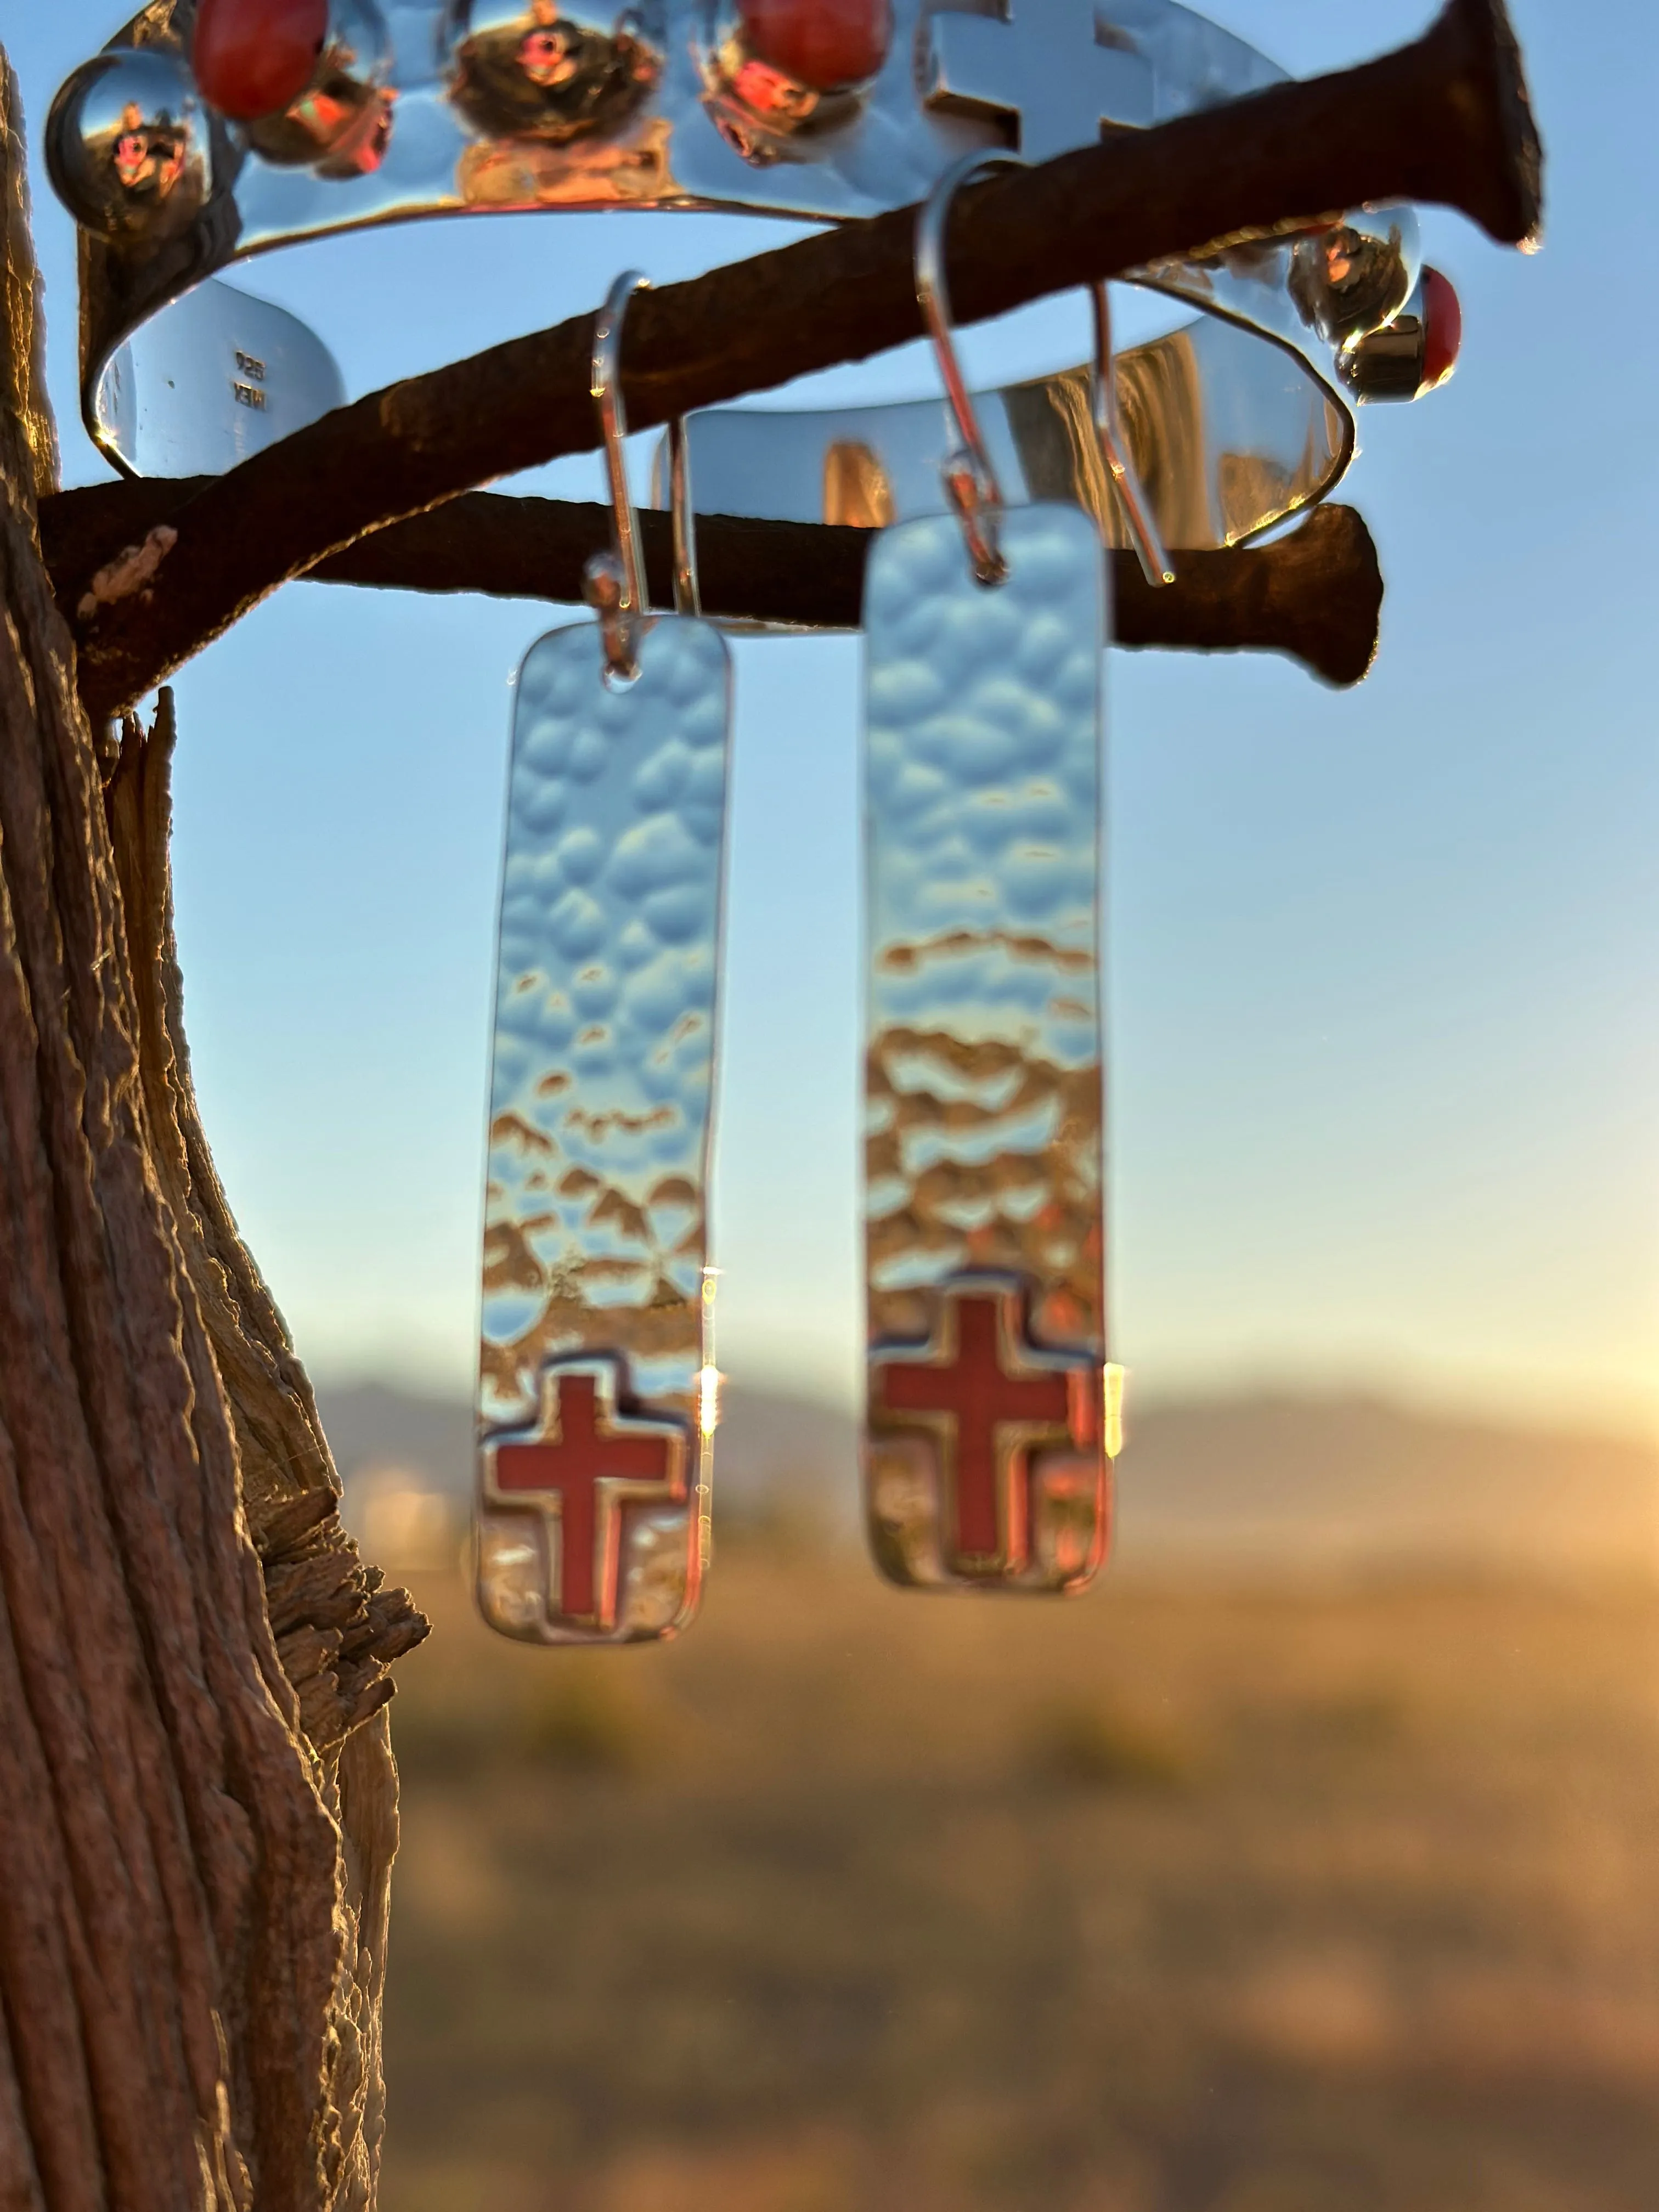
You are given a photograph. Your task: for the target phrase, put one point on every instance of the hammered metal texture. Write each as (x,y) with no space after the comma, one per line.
(596,1207)
(983,1085)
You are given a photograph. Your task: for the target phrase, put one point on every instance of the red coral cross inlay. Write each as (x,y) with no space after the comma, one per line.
(991,1400)
(588,1464)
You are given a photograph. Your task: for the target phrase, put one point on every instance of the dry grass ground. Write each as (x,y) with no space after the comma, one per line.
(1164,1901)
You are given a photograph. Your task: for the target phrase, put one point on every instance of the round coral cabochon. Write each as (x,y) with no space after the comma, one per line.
(823,44)
(254,57)
(1442,328)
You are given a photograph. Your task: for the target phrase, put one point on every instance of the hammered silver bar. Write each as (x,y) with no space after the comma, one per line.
(595,1403)
(990,1421)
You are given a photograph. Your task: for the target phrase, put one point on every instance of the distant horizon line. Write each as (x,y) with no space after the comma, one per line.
(1473,1411)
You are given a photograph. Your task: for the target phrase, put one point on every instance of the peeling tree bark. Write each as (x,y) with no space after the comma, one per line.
(198,1800)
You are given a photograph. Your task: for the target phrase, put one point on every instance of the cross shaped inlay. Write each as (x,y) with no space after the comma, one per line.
(585,1466)
(1060,69)
(989,1399)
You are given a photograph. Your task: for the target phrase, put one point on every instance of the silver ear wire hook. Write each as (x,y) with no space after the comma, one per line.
(688,596)
(613,583)
(971,481)
(1131,494)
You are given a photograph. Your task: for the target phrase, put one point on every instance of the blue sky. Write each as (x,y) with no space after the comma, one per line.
(1386,1090)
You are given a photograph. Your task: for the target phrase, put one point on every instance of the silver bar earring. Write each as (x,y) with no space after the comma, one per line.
(596,1400)
(992,1411)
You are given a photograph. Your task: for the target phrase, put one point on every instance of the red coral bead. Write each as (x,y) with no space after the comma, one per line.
(823,44)
(1443,329)
(254,57)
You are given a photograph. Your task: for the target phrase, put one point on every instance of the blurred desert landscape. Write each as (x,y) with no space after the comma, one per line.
(1307,1865)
